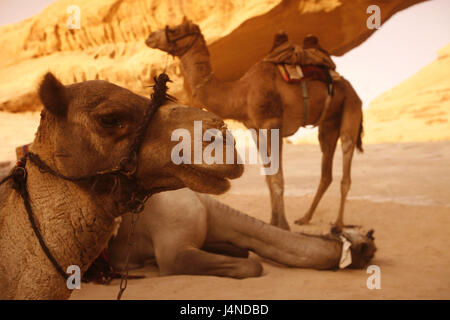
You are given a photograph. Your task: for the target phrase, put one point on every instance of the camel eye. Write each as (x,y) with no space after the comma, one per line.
(110,121)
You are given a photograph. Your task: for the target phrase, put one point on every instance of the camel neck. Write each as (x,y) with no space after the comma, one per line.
(206,90)
(74,224)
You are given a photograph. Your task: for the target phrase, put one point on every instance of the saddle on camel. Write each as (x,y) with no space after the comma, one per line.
(300,64)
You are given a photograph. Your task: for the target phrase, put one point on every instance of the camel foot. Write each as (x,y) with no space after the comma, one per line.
(336,230)
(302,221)
(337,227)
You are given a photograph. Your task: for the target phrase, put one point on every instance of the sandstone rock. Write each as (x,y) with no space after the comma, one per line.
(110,43)
(339,24)
(418,109)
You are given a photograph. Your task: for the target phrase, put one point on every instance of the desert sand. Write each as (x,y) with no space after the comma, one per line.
(399,189)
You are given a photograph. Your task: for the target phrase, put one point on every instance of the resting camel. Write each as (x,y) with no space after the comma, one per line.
(261,99)
(192,233)
(84,129)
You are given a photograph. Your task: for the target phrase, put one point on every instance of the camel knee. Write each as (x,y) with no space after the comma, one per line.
(345,185)
(277,190)
(347,143)
(276,185)
(249,268)
(326,181)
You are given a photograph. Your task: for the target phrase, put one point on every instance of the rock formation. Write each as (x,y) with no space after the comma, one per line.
(110,42)
(418,109)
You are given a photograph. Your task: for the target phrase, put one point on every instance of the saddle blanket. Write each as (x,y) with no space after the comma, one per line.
(296,73)
(292,54)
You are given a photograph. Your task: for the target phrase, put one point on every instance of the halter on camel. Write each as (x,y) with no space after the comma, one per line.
(173,42)
(173,51)
(126,169)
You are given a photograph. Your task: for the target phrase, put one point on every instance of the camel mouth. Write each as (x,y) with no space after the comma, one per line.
(150,42)
(207,180)
(228,171)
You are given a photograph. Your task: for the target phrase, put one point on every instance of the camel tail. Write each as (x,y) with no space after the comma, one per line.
(292,249)
(360,135)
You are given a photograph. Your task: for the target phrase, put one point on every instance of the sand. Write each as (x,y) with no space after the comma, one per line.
(400,190)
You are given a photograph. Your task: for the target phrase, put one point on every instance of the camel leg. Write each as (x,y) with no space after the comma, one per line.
(226,249)
(276,187)
(328,136)
(350,124)
(274,178)
(194,261)
(348,147)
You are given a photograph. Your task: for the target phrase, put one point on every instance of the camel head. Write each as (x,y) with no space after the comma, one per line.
(363,247)
(88,127)
(175,40)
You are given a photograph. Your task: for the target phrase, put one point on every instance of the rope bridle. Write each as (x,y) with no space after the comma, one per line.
(172,42)
(126,169)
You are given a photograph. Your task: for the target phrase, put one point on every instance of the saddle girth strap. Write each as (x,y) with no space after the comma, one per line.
(305,103)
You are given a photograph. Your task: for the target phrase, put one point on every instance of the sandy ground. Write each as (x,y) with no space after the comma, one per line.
(400,190)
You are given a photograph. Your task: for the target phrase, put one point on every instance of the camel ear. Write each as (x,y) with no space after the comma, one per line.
(185,19)
(370,234)
(53,95)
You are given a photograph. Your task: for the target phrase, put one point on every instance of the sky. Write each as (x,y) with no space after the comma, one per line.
(17,10)
(403,45)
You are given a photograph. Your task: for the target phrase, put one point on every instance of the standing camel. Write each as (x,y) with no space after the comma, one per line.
(86,128)
(261,99)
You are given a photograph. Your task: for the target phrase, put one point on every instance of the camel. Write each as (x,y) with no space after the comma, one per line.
(85,128)
(192,233)
(261,99)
